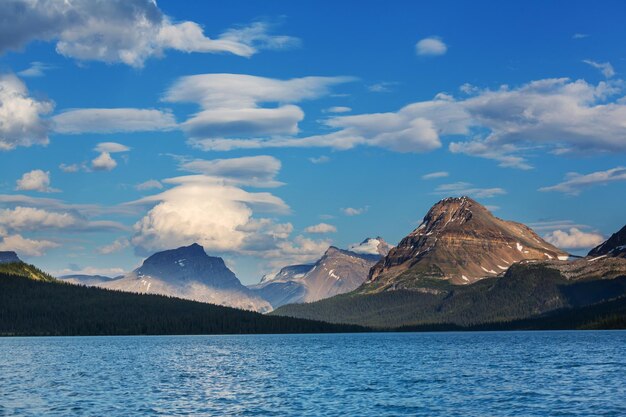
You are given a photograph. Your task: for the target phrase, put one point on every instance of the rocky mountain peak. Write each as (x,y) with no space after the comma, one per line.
(615,246)
(8,257)
(459,240)
(371,246)
(189,263)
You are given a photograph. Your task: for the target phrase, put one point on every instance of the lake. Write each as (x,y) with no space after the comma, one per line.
(376,374)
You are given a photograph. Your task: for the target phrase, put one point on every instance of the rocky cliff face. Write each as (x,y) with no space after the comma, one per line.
(188,272)
(615,246)
(336,272)
(461,242)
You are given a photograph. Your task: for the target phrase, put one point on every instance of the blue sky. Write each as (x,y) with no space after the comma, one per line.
(267,131)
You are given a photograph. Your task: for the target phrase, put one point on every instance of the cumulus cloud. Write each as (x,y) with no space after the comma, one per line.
(300,250)
(112,121)
(252,170)
(115,246)
(321,228)
(465,188)
(231,103)
(103,162)
(121,31)
(574,238)
(575,183)
(26,247)
(431,46)
(69,168)
(604,67)
(149,185)
(21,122)
(434,175)
(35,180)
(203,209)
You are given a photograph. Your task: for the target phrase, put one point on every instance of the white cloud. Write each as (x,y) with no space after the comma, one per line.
(203,209)
(121,31)
(574,238)
(149,185)
(259,170)
(352,211)
(112,120)
(319,160)
(231,103)
(552,225)
(382,87)
(604,67)
(35,180)
(299,251)
(434,175)
(21,122)
(103,162)
(90,270)
(26,247)
(552,113)
(321,228)
(338,109)
(115,246)
(36,69)
(432,46)
(71,168)
(574,182)
(467,189)
(22,218)
(580,36)
(111,147)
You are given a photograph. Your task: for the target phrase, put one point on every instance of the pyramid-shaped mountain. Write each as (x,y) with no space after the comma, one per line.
(188,272)
(461,242)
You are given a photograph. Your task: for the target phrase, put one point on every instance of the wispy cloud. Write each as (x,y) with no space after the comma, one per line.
(575,183)
(434,175)
(465,188)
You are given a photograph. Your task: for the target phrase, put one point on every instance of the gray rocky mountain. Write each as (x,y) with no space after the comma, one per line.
(188,272)
(7,257)
(336,272)
(615,246)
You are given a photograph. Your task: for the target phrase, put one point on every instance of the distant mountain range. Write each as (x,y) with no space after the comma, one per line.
(336,272)
(462,266)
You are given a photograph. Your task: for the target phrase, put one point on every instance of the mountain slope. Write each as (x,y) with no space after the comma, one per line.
(526,290)
(461,242)
(615,246)
(336,272)
(40,308)
(188,272)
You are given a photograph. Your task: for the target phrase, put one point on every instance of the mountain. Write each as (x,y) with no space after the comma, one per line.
(7,257)
(22,269)
(336,272)
(188,272)
(30,307)
(528,290)
(615,246)
(372,246)
(83,279)
(459,241)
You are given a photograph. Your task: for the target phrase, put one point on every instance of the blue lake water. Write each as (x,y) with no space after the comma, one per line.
(445,374)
